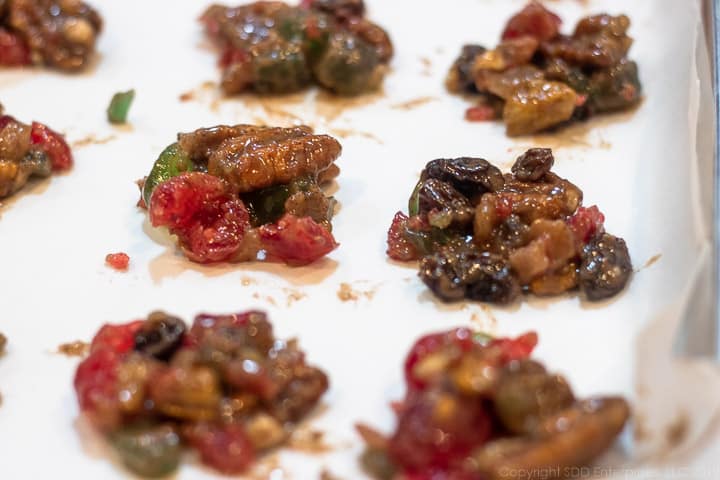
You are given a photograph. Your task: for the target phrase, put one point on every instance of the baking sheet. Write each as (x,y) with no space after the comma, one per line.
(642,168)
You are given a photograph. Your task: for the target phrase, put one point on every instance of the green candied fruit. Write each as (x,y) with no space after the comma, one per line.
(119,107)
(172,162)
(266,205)
(148,450)
(348,65)
(615,88)
(279,67)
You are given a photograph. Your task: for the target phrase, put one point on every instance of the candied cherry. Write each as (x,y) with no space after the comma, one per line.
(399,247)
(209,220)
(534,20)
(438,430)
(586,223)
(96,384)
(118,339)
(225,448)
(118,261)
(461,338)
(13,50)
(296,240)
(53,144)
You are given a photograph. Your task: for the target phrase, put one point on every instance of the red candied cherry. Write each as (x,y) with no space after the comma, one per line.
(480,113)
(231,56)
(208,219)
(586,223)
(53,144)
(118,339)
(516,348)
(399,247)
(96,384)
(437,430)
(226,448)
(460,340)
(296,240)
(14,51)
(118,261)
(534,20)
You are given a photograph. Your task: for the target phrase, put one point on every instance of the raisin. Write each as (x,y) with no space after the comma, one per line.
(160,335)
(605,267)
(454,273)
(532,165)
(615,88)
(338,8)
(469,176)
(461,78)
(444,205)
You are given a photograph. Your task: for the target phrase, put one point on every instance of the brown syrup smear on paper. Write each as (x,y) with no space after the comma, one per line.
(413,103)
(323,105)
(347,293)
(78,348)
(91,139)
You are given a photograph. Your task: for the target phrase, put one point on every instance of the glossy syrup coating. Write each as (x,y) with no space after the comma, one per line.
(27,151)
(58,33)
(244,192)
(272,47)
(478,407)
(537,78)
(485,236)
(224,387)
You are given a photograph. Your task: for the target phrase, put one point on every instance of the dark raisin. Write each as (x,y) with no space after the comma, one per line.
(461,77)
(615,88)
(160,336)
(443,204)
(605,267)
(532,165)
(340,8)
(457,272)
(469,176)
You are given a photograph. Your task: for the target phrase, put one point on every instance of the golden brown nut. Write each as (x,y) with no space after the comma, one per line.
(272,156)
(538,105)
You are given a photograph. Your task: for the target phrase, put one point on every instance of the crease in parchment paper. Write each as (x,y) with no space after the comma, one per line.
(678,382)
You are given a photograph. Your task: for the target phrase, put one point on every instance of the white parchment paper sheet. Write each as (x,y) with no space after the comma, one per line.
(641,168)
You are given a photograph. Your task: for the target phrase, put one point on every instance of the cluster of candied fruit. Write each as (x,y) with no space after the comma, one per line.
(57,33)
(245,192)
(226,388)
(486,236)
(538,78)
(272,47)
(29,150)
(478,407)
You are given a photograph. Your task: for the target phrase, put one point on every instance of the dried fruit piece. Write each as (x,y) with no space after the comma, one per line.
(119,107)
(118,261)
(296,240)
(605,267)
(150,451)
(485,236)
(61,35)
(478,407)
(541,79)
(271,47)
